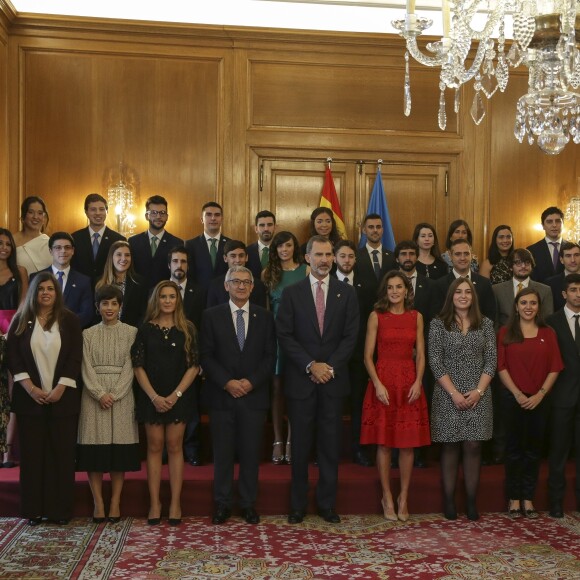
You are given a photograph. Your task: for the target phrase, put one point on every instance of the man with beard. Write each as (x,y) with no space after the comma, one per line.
(345,258)
(149,250)
(259,251)
(194,299)
(570,258)
(317,326)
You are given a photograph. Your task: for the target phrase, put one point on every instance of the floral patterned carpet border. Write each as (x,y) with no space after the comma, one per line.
(364,547)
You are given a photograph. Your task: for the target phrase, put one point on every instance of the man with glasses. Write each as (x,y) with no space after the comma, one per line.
(76,287)
(206,251)
(237,353)
(150,249)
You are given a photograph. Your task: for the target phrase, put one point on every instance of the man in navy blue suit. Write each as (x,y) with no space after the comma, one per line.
(76,287)
(150,249)
(317,326)
(259,251)
(206,251)
(237,353)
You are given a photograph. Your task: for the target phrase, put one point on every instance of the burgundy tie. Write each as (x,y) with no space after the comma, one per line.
(556,256)
(320,306)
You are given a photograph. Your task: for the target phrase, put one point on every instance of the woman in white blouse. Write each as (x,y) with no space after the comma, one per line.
(44,356)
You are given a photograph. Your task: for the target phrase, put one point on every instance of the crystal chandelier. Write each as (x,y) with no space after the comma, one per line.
(572,217)
(121,197)
(544,34)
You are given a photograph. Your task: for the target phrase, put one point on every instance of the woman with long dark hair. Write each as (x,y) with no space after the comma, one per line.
(528,361)
(285,266)
(462,356)
(119,271)
(31,241)
(322,223)
(44,356)
(429,262)
(395,408)
(165,361)
(496,266)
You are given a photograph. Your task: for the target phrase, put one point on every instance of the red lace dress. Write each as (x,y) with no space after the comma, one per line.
(399,424)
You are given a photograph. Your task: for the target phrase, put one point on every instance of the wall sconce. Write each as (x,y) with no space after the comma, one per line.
(122,190)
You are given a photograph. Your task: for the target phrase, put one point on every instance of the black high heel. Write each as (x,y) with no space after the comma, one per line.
(155,521)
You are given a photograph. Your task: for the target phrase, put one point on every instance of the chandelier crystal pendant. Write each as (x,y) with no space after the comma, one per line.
(545,35)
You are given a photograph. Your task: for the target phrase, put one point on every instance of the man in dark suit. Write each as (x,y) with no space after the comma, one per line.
(317,325)
(345,258)
(373,261)
(235,254)
(461,254)
(565,404)
(570,258)
(546,251)
(206,251)
(521,263)
(194,299)
(76,287)
(238,353)
(259,251)
(92,243)
(149,249)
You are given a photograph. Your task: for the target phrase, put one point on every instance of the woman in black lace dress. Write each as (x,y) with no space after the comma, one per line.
(165,359)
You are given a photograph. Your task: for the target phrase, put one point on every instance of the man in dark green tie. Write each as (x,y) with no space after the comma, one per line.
(259,251)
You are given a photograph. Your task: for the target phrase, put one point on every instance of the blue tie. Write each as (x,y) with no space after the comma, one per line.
(60,275)
(240,328)
(95,244)
(376,264)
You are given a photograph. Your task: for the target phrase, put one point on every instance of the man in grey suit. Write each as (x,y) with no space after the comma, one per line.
(317,325)
(521,262)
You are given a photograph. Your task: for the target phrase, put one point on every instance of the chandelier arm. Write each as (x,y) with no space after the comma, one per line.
(424,59)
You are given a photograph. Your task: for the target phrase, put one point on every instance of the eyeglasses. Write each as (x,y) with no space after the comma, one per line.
(155,213)
(65,248)
(236,282)
(522,263)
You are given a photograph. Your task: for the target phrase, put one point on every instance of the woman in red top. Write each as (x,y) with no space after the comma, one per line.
(528,363)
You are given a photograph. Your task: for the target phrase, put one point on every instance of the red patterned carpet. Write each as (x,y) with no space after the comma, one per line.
(364,547)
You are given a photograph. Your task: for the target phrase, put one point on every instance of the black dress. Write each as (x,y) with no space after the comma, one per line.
(160,351)
(436,270)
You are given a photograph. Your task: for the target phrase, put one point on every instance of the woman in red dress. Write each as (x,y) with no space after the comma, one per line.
(395,407)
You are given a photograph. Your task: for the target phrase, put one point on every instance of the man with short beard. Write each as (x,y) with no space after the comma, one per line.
(259,251)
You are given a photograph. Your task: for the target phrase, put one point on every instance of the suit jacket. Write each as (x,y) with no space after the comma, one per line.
(135,301)
(566,391)
(300,338)
(77,295)
(254,264)
(194,301)
(222,360)
(365,270)
(217,293)
(556,284)
(483,289)
(425,300)
(544,265)
(83,260)
(21,360)
(504,295)
(200,268)
(152,268)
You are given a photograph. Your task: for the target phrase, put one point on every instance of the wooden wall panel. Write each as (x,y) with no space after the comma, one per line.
(84,113)
(342,96)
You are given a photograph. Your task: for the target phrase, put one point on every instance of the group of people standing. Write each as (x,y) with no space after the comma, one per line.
(408,336)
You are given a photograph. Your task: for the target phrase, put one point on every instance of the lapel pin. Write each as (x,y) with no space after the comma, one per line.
(338,295)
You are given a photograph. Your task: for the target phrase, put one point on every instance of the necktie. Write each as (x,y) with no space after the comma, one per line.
(213,251)
(153,245)
(346,280)
(95,244)
(60,276)
(181,290)
(240,328)
(265,257)
(320,306)
(411,291)
(577,332)
(376,264)
(556,255)
(520,286)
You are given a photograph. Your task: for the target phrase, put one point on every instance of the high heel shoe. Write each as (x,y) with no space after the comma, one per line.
(471,511)
(514,512)
(288,456)
(403,513)
(277,459)
(389,511)
(449,510)
(114,519)
(98,520)
(155,521)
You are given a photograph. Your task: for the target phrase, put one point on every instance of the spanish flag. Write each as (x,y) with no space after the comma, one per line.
(330,199)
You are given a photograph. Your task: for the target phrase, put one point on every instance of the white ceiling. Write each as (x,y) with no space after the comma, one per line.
(338,15)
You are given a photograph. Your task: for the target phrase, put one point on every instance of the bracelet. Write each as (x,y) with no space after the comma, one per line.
(544,391)
(452,393)
(480,392)
(30,392)
(154,397)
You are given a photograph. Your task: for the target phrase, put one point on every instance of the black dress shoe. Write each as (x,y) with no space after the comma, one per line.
(61,522)
(250,515)
(329,516)
(221,515)
(556,511)
(194,462)
(35,521)
(361,458)
(295,517)
(419,463)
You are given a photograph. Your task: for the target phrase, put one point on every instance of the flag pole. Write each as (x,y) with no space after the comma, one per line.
(329,161)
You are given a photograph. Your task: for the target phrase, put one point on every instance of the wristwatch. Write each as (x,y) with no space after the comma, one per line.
(178,394)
